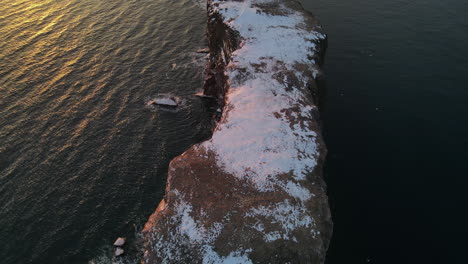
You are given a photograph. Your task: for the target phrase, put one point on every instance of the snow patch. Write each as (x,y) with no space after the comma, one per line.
(236,257)
(288,216)
(192,233)
(190,228)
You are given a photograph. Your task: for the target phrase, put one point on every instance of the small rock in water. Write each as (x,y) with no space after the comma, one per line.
(119,242)
(166,101)
(118,252)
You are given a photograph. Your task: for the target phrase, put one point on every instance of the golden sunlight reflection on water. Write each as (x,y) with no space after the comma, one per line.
(74,129)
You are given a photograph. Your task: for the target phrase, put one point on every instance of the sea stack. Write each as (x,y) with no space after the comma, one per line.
(254,192)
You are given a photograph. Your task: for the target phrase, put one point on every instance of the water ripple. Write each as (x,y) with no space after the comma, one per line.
(82,159)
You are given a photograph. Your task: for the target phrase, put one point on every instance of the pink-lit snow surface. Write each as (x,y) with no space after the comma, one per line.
(260,137)
(251,141)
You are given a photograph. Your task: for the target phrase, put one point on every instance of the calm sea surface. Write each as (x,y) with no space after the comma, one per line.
(83,160)
(396,118)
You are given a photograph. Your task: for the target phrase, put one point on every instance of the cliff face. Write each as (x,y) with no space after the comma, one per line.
(254,192)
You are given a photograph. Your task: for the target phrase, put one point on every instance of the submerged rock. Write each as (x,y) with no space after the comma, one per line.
(119,242)
(254,192)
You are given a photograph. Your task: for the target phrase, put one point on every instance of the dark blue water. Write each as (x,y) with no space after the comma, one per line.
(396,120)
(83,160)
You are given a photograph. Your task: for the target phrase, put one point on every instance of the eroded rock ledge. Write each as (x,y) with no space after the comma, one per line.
(254,192)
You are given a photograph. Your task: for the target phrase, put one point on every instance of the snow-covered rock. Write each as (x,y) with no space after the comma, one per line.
(118,252)
(119,242)
(164,101)
(254,192)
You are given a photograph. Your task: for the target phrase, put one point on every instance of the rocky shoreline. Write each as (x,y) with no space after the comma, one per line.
(254,192)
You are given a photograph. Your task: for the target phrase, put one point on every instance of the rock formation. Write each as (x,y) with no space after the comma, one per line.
(119,242)
(254,192)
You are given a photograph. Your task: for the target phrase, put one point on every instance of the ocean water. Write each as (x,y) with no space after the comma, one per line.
(83,159)
(396,126)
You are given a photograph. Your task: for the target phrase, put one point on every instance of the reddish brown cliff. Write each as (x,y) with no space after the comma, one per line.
(254,192)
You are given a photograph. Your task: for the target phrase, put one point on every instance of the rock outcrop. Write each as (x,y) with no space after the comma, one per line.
(254,192)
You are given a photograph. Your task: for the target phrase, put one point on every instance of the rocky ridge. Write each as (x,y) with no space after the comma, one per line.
(254,192)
